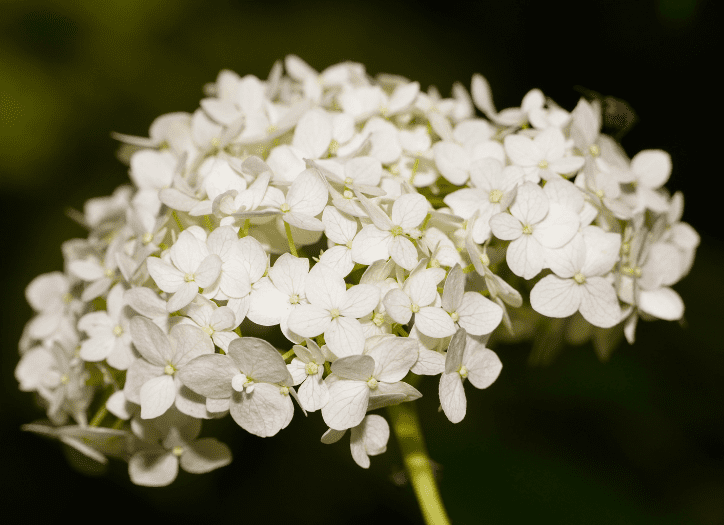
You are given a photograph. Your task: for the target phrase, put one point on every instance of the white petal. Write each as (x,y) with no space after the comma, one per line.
(168,278)
(308,194)
(183,296)
(599,303)
(325,288)
(338,227)
(452,397)
(264,412)
(409,211)
(308,320)
(266,303)
(339,258)
(205,455)
(452,161)
(188,252)
(151,468)
(254,257)
(556,297)
(429,362)
(652,167)
(347,404)
(483,366)
(402,251)
(558,227)
(479,315)
(370,245)
(360,300)
(345,337)
(157,396)
(434,322)
(452,295)
(506,227)
(393,358)
(530,205)
(150,341)
(314,393)
(398,306)
(663,303)
(422,286)
(525,257)
(313,133)
(209,375)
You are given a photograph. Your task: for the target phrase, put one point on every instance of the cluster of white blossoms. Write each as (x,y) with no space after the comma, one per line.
(386,231)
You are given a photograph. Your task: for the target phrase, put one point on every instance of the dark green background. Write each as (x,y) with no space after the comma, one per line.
(637,440)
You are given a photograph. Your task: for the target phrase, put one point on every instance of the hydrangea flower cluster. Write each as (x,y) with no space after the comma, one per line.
(388,232)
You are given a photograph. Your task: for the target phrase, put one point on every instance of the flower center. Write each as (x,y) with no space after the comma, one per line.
(484,259)
(543,164)
(414,308)
(284,390)
(147,238)
(238,382)
(594,150)
(189,277)
(118,330)
(495,196)
(348,181)
(455,316)
(333,147)
(396,230)
(109,273)
(372,383)
(463,372)
(177,451)
(348,195)
(334,312)
(285,208)
(169,370)
(208,330)
(312,368)
(294,299)
(527,229)
(378,319)
(579,278)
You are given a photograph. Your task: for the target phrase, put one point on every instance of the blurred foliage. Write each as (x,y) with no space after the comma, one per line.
(637,440)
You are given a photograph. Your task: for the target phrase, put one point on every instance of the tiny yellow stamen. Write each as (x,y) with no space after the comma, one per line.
(169,370)
(455,316)
(372,383)
(579,278)
(118,330)
(177,451)
(312,368)
(495,196)
(334,312)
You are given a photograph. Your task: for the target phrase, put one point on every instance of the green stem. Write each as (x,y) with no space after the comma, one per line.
(406,428)
(245,230)
(292,248)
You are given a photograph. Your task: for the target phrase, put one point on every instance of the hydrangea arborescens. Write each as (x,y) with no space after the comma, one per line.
(376,224)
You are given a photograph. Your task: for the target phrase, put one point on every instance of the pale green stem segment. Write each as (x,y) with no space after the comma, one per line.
(178,221)
(102,411)
(469,269)
(406,428)
(288,355)
(245,230)
(292,248)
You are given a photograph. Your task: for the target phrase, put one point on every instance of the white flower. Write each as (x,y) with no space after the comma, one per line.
(578,283)
(218,322)
(340,229)
(151,381)
(109,337)
(542,157)
(193,268)
(387,236)
(369,438)
(307,369)
(156,465)
(255,380)
(358,377)
(334,310)
(469,310)
(467,358)
(533,223)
